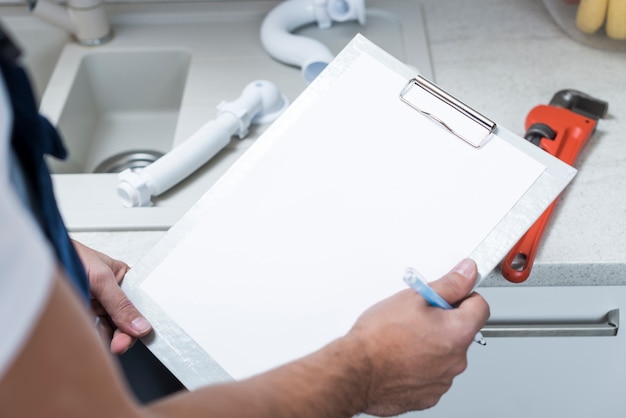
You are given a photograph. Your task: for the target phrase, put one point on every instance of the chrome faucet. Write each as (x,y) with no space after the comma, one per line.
(85,19)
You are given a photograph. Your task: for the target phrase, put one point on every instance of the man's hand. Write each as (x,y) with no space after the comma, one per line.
(415,350)
(120,321)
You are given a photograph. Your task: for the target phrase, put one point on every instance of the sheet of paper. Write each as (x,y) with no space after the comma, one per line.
(319,220)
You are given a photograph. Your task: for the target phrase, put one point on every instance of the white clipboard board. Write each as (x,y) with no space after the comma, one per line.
(371,170)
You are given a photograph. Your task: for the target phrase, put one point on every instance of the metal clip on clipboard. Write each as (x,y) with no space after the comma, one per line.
(437,106)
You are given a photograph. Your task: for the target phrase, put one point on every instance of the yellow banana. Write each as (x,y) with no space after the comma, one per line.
(591,14)
(616,19)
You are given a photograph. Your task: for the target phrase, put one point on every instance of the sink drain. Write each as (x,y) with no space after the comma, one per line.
(134,160)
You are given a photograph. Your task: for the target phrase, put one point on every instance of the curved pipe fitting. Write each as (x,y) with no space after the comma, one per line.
(260,102)
(308,54)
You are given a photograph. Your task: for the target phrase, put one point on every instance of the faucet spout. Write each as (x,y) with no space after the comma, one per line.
(85,19)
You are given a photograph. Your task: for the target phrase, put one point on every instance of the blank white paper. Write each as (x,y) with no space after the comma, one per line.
(321,217)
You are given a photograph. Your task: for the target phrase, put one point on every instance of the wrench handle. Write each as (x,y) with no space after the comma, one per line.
(518,263)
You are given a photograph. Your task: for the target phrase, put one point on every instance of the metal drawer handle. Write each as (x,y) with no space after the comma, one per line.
(607,328)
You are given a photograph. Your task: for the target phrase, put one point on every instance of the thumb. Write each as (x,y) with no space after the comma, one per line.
(120,309)
(458,283)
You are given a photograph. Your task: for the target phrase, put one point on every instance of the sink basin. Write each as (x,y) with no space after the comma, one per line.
(121,101)
(161,78)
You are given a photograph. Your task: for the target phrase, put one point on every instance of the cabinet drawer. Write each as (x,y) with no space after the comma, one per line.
(552,312)
(552,375)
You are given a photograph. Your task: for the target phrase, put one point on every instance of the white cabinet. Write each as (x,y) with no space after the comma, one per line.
(549,376)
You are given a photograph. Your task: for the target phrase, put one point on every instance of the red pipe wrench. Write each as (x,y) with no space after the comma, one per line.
(562,129)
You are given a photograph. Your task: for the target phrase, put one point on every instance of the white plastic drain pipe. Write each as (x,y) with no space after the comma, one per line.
(260,102)
(306,53)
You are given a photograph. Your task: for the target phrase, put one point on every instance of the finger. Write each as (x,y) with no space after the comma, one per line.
(120,309)
(119,268)
(479,308)
(97,308)
(121,342)
(91,257)
(458,283)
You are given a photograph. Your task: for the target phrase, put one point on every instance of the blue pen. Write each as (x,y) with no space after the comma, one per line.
(417,283)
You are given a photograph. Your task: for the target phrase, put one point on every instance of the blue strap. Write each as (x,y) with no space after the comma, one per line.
(33,136)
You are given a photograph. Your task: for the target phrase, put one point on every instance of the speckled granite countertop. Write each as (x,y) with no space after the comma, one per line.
(504,57)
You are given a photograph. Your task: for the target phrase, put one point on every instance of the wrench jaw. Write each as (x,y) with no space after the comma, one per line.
(581,103)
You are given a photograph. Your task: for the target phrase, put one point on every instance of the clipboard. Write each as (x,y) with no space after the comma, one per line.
(371,170)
